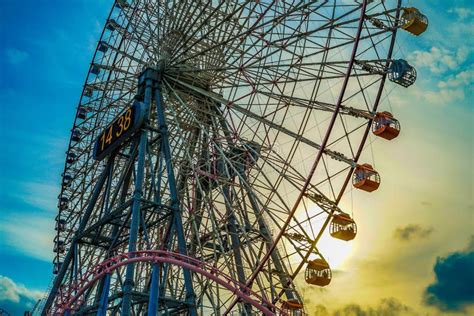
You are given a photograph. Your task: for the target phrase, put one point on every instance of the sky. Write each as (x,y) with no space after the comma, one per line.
(414,253)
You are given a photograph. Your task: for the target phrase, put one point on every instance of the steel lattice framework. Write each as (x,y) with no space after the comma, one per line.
(256,115)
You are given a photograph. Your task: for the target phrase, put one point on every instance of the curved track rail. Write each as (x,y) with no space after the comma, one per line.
(160,256)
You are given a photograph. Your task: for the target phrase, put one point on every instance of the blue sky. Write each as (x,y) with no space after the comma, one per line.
(46,48)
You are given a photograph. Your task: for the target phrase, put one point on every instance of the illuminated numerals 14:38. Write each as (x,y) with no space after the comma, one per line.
(123,124)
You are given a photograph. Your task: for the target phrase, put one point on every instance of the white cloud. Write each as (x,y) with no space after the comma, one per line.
(440,60)
(10,291)
(450,75)
(461,79)
(15,56)
(40,195)
(433,97)
(463,13)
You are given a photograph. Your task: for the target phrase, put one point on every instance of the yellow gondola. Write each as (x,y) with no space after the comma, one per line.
(414,22)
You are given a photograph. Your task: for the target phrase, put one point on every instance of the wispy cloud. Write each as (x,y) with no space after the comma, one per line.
(386,307)
(15,56)
(446,77)
(29,234)
(10,291)
(40,195)
(412,231)
(459,80)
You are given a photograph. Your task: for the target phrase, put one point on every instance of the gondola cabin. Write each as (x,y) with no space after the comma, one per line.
(60,224)
(402,73)
(76,135)
(414,21)
(82,112)
(67,179)
(292,308)
(318,272)
(366,178)
(59,246)
(71,157)
(343,227)
(63,203)
(57,265)
(385,126)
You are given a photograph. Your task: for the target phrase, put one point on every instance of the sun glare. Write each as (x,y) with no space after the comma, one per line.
(336,252)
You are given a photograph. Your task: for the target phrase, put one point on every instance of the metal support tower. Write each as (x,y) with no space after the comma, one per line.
(149,93)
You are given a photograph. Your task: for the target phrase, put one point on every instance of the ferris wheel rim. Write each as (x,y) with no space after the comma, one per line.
(316,162)
(359,150)
(275,243)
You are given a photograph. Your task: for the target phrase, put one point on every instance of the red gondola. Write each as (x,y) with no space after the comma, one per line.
(385,126)
(366,178)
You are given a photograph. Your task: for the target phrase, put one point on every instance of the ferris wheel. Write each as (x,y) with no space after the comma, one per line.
(212,145)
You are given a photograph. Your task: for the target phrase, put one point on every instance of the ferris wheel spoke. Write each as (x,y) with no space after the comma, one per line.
(276,260)
(276,257)
(229,232)
(139,24)
(247,32)
(255,116)
(130,37)
(193,28)
(257,37)
(124,55)
(224,19)
(248,87)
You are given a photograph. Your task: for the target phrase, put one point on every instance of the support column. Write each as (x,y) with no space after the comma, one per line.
(235,242)
(154,290)
(177,220)
(137,195)
(70,254)
(104,297)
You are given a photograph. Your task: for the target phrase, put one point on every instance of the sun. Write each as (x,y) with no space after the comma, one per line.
(336,252)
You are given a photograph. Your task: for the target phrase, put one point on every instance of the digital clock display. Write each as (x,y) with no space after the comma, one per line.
(118,131)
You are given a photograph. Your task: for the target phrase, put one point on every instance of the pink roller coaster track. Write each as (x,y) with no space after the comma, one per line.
(70,301)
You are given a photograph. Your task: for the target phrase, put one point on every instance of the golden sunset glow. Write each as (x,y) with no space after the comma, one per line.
(338,253)
(228,157)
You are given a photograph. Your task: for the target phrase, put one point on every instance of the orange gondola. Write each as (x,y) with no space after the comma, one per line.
(318,272)
(385,126)
(343,227)
(366,178)
(414,22)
